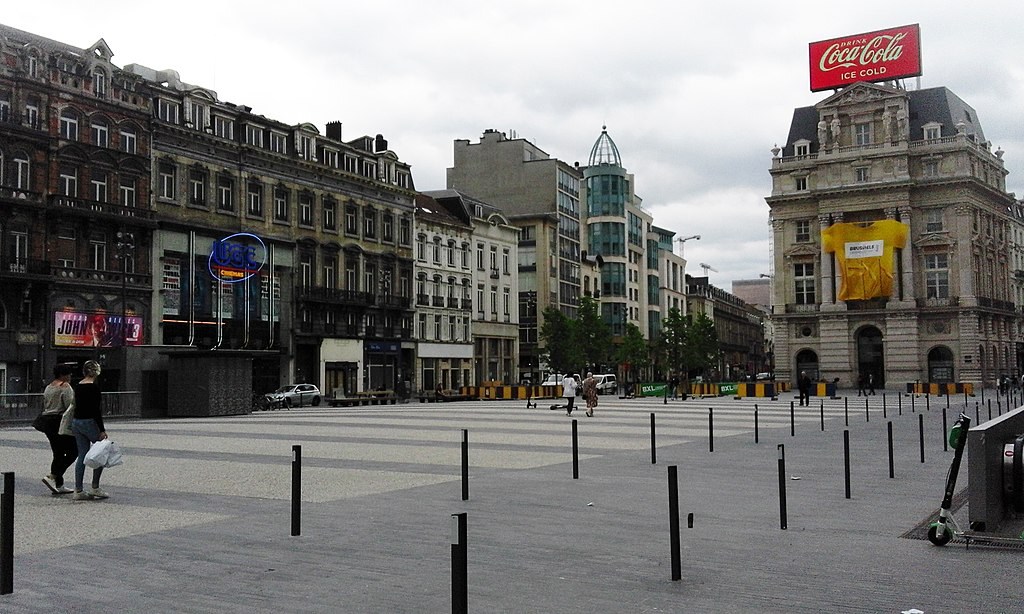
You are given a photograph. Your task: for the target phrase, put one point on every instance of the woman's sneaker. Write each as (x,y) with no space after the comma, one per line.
(97,493)
(81,496)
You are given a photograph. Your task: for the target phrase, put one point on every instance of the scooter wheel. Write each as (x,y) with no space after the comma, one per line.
(939,539)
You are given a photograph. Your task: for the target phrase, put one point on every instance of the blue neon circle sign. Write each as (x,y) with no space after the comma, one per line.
(236,258)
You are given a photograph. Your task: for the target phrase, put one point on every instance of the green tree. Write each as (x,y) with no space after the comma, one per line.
(633,352)
(558,337)
(703,342)
(593,336)
(671,347)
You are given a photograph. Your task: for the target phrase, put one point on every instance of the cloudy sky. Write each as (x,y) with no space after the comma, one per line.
(694,94)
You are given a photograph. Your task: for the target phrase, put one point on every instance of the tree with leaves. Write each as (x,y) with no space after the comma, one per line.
(593,336)
(634,352)
(560,348)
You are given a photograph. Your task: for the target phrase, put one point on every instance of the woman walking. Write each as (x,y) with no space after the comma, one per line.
(590,393)
(57,398)
(88,429)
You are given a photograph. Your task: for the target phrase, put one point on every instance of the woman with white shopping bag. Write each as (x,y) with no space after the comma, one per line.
(88,429)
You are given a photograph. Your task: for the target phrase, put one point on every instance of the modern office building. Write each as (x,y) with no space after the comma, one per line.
(540,195)
(896,249)
(616,228)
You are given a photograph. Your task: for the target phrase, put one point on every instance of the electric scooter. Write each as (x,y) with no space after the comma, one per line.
(946,527)
(939,532)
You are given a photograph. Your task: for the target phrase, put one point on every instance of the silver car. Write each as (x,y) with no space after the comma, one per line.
(294,395)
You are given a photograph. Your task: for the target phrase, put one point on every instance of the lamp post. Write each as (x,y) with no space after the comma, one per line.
(125,247)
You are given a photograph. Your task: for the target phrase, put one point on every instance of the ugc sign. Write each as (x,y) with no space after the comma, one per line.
(237,257)
(872,56)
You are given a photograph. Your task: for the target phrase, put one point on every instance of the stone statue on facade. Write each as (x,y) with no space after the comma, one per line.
(835,131)
(822,133)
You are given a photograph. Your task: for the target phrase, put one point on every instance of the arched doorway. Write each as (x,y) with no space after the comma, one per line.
(870,356)
(940,365)
(806,360)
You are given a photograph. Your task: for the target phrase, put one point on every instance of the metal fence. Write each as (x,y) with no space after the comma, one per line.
(23,408)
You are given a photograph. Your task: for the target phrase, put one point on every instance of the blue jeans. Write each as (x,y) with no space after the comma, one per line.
(86,433)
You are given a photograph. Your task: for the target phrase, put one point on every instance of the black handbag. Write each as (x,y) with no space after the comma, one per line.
(45,423)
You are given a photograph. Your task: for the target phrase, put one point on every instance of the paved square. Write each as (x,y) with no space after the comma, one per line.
(199,516)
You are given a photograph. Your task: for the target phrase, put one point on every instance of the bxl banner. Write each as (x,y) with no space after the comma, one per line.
(78,329)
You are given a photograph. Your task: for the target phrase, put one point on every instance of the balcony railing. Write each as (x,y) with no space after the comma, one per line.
(795,308)
(952,301)
(467,304)
(24,266)
(390,301)
(94,206)
(453,302)
(438,301)
(19,194)
(333,295)
(101,277)
(422,299)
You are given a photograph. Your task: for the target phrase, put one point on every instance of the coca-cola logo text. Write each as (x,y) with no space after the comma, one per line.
(862,52)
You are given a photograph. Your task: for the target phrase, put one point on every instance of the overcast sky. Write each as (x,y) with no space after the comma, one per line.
(694,94)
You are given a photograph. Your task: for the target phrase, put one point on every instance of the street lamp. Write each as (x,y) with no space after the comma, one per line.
(125,247)
(683,240)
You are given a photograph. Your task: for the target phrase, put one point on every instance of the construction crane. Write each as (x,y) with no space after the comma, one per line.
(707,267)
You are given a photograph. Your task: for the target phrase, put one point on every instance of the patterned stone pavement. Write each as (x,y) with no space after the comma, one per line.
(199,516)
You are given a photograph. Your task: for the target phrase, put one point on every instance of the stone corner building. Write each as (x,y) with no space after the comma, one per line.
(896,248)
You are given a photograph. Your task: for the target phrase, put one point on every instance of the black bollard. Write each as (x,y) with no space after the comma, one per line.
(846,460)
(654,448)
(296,489)
(867,414)
(673,522)
(756,436)
(947,399)
(884,414)
(977,417)
(7,535)
(945,440)
(821,409)
(913,404)
(689,520)
(782,487)
(990,409)
(460,570)
(711,430)
(899,403)
(846,410)
(892,470)
(928,402)
(920,431)
(792,420)
(575,452)
(465,464)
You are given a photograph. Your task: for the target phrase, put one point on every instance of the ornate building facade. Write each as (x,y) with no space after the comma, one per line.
(896,246)
(76,221)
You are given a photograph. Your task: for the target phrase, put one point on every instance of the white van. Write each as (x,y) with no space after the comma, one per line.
(606,383)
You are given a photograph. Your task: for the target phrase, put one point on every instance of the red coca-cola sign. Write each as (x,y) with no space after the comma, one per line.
(872,56)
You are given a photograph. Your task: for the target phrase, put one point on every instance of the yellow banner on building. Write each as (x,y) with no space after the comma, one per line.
(865,255)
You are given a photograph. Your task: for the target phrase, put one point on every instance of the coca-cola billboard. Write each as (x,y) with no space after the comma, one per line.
(872,56)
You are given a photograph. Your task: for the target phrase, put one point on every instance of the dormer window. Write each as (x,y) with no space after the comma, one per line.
(32,66)
(932,131)
(802,148)
(223,127)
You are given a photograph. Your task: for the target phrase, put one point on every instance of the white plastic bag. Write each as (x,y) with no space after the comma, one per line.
(114,455)
(103,453)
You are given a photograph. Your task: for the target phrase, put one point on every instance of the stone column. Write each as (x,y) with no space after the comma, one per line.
(908,292)
(962,258)
(782,275)
(828,287)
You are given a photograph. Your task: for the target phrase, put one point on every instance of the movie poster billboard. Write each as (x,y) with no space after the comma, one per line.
(882,55)
(97,329)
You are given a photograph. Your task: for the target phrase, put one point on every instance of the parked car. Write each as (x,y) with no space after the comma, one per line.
(294,395)
(606,383)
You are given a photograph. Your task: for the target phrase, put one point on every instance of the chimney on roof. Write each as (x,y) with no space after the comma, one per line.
(334,130)
(380,144)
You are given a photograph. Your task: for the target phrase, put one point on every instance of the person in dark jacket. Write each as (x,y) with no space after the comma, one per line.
(88,429)
(57,398)
(804,386)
